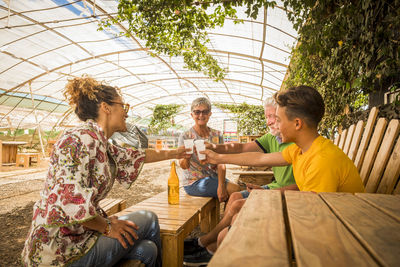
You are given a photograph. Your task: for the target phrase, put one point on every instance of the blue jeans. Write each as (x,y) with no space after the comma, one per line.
(245,193)
(204,187)
(147,248)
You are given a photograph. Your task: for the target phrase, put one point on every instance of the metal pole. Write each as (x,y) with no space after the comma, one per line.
(38,123)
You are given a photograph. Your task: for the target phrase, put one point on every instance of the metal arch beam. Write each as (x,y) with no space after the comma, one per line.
(125,93)
(52,30)
(133,50)
(48,28)
(251,39)
(257,22)
(189,92)
(63,26)
(110,62)
(262,50)
(249,56)
(68,64)
(227,89)
(201,78)
(45,9)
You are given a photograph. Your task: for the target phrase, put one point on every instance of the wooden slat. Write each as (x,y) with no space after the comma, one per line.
(387,203)
(166,215)
(111,205)
(319,238)
(377,231)
(356,140)
(105,202)
(397,189)
(343,139)
(366,137)
(349,139)
(392,172)
(392,132)
(372,149)
(257,237)
(336,141)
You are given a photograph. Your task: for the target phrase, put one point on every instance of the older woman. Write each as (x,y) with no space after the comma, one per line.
(207,180)
(68,226)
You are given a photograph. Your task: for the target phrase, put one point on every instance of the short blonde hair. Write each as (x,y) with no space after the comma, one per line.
(201,101)
(269,102)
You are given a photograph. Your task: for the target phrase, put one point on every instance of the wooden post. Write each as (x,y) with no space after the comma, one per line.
(38,123)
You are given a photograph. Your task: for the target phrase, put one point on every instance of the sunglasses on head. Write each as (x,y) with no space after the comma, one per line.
(204,112)
(124,105)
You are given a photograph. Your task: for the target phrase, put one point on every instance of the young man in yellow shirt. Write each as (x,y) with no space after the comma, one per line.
(318,165)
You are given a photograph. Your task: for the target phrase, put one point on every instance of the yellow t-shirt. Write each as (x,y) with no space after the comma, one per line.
(323,168)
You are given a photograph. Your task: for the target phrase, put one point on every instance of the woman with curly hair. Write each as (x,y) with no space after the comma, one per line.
(68,226)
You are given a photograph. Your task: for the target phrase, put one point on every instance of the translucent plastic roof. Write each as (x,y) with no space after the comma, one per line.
(45,42)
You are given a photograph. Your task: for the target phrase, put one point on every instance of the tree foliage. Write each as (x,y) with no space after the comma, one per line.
(251,120)
(179,27)
(162,117)
(347,49)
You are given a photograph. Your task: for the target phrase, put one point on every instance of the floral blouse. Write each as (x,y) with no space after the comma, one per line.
(197,170)
(82,171)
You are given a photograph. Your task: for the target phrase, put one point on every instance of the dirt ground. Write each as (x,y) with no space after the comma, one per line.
(19,189)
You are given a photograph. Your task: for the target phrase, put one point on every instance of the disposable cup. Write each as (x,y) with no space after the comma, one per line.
(200,147)
(189,144)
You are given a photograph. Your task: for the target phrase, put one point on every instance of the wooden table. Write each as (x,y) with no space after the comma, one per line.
(308,229)
(178,221)
(9,151)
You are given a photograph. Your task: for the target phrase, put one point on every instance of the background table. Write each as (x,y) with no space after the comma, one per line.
(308,229)
(9,150)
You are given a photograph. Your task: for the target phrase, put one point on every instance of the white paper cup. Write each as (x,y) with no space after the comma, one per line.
(200,147)
(189,144)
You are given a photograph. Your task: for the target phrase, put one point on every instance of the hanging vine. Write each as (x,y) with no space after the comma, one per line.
(163,117)
(251,120)
(347,50)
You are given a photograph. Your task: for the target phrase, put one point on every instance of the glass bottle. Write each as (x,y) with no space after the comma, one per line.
(173,186)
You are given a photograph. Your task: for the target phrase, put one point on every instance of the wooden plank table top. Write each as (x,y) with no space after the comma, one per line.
(243,247)
(178,221)
(325,229)
(188,208)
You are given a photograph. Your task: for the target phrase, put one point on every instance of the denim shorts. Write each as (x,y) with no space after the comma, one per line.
(245,193)
(204,187)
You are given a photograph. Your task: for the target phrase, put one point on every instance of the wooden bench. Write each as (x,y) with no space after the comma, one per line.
(375,150)
(178,221)
(112,205)
(255,177)
(25,159)
(308,229)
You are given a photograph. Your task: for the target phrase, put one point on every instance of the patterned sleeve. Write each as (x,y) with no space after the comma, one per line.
(129,164)
(69,194)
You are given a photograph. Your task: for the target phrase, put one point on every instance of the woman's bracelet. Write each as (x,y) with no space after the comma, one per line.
(107,231)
